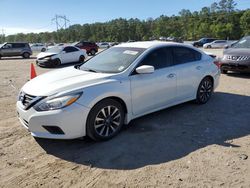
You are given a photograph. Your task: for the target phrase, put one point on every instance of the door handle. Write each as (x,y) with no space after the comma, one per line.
(199,67)
(171,75)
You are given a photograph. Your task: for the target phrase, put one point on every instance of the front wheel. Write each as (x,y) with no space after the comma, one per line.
(92,52)
(105,120)
(56,62)
(224,71)
(204,91)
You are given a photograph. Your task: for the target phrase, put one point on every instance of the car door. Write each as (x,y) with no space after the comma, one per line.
(66,55)
(7,49)
(17,48)
(152,91)
(189,71)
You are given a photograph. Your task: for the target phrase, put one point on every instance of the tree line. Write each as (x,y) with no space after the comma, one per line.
(220,20)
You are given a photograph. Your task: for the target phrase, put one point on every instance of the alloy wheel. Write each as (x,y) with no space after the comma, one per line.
(205,91)
(107,121)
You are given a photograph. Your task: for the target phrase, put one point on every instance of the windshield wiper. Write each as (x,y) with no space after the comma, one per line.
(89,70)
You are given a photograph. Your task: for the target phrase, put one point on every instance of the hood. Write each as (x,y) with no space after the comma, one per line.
(237,51)
(61,80)
(45,54)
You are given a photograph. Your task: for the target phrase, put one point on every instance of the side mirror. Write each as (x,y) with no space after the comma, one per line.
(145,69)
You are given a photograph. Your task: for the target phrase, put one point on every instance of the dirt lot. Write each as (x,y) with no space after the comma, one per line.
(184,146)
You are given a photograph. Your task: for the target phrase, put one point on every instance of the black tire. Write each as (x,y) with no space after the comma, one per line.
(81,59)
(224,71)
(43,50)
(92,52)
(204,91)
(56,62)
(209,46)
(105,120)
(0,57)
(26,55)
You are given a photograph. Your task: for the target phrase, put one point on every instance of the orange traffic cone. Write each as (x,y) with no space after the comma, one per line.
(32,71)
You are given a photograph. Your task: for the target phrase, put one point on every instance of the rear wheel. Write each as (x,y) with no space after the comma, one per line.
(26,55)
(105,120)
(209,46)
(81,59)
(56,62)
(43,50)
(92,52)
(204,91)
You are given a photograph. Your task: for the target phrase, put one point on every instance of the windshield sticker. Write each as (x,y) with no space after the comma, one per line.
(130,52)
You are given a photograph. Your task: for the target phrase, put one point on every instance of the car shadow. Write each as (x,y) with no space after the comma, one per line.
(239,75)
(163,136)
(16,58)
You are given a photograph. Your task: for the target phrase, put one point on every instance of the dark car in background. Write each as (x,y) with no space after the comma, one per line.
(90,47)
(237,57)
(10,49)
(203,41)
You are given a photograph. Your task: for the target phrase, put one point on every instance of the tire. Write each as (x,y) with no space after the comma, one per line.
(81,59)
(43,50)
(26,55)
(105,120)
(92,52)
(204,91)
(209,46)
(224,71)
(56,62)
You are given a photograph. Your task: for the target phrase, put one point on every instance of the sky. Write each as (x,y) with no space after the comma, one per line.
(36,15)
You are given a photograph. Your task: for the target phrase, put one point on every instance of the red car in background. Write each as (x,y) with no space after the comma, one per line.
(90,47)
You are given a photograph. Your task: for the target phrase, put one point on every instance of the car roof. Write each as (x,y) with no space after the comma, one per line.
(149,44)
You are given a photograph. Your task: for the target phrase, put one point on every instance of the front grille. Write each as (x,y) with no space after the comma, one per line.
(237,58)
(27,99)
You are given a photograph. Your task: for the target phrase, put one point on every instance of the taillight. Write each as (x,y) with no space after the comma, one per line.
(217,63)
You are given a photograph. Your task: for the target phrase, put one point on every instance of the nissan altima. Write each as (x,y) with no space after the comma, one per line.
(118,85)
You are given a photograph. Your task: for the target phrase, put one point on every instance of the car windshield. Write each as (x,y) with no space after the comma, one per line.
(113,60)
(243,43)
(55,50)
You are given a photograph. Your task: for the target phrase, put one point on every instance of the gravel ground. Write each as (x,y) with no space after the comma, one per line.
(187,145)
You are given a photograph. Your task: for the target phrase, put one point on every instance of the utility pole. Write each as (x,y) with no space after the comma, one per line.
(2,36)
(60,21)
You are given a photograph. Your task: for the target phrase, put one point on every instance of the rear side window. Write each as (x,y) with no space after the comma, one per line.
(70,49)
(159,58)
(18,45)
(185,55)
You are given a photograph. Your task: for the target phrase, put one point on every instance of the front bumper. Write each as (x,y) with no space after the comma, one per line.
(237,67)
(44,62)
(70,120)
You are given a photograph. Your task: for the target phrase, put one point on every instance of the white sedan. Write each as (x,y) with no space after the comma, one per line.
(109,90)
(38,47)
(216,44)
(60,55)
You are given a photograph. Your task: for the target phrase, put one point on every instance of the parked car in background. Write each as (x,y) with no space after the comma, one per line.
(60,55)
(38,47)
(90,47)
(103,45)
(237,57)
(116,86)
(216,44)
(203,41)
(10,49)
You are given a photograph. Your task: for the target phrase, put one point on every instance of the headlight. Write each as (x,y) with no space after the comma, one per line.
(57,102)
(47,58)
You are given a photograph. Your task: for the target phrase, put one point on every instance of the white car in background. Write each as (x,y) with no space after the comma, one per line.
(112,88)
(103,45)
(38,47)
(60,55)
(216,44)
